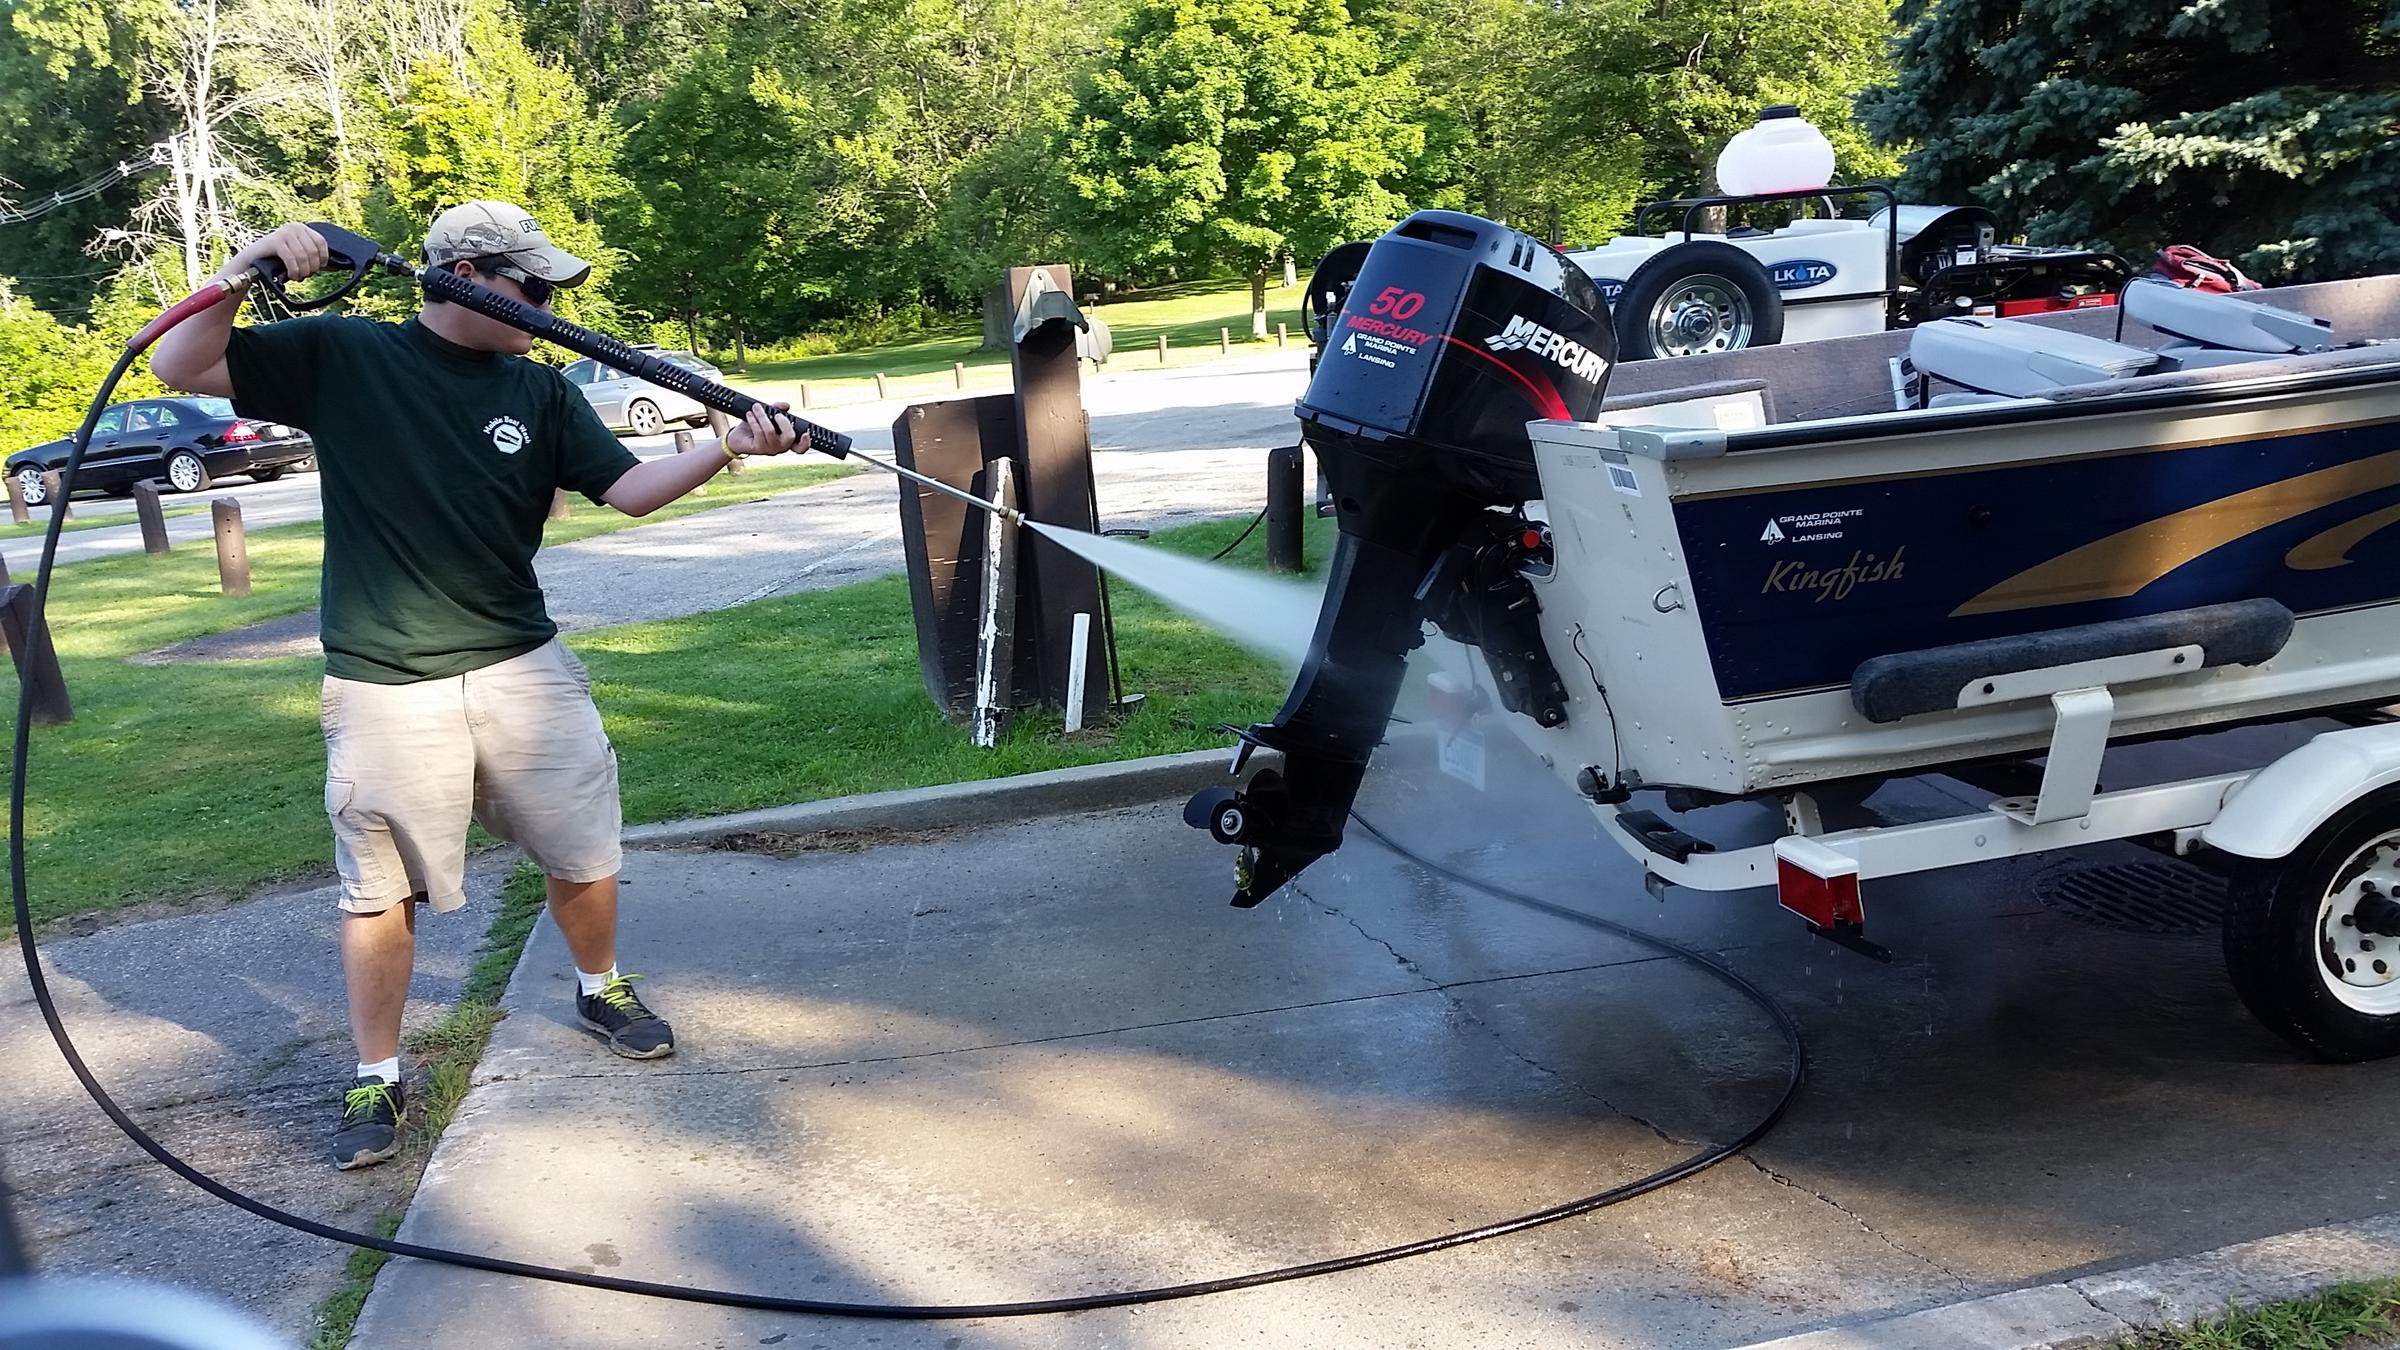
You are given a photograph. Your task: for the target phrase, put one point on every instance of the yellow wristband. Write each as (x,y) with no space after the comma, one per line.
(726,446)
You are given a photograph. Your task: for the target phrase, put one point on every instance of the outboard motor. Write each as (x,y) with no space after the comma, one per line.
(1457,332)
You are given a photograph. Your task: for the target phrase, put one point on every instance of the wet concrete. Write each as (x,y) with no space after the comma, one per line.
(1049,1060)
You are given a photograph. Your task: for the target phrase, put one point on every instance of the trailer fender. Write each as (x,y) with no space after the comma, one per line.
(2284,803)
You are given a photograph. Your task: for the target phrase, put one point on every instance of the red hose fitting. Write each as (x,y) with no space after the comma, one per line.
(207,297)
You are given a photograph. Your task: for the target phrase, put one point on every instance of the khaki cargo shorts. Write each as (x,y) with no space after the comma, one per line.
(516,746)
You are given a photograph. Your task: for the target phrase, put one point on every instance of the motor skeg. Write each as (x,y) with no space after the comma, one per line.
(1457,333)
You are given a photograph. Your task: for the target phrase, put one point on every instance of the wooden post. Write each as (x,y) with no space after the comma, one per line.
(1283,509)
(16,502)
(1162,349)
(154,517)
(37,661)
(1280,334)
(1224,341)
(233,559)
(723,427)
(958,372)
(880,391)
(996,645)
(58,496)
(558,504)
(804,393)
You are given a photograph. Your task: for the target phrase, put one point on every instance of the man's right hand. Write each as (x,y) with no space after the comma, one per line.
(301,250)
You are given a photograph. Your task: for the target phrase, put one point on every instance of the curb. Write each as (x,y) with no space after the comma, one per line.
(986,801)
(2101,1310)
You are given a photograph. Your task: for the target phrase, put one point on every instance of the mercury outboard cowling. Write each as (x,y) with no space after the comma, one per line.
(1457,332)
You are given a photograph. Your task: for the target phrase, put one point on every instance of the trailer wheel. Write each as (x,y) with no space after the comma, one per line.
(2313,943)
(1697,298)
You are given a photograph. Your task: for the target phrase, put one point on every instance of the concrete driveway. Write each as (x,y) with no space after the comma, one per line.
(1049,1060)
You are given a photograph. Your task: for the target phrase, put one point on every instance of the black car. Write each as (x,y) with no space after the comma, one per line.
(187,443)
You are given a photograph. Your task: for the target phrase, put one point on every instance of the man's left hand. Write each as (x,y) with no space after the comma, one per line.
(761,434)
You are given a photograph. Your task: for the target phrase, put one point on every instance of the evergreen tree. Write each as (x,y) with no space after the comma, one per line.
(2265,131)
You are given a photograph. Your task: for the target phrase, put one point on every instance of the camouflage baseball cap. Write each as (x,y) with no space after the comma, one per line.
(499,230)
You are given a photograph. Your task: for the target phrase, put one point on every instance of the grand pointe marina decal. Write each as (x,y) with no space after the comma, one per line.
(1799,587)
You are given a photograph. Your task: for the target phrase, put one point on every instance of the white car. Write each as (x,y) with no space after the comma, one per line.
(628,404)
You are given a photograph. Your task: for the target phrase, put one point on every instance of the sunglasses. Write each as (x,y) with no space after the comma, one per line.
(537,289)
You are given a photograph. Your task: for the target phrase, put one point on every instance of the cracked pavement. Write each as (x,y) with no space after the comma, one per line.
(1047,1059)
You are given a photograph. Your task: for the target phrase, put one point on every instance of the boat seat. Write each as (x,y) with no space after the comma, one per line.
(2020,360)
(2226,323)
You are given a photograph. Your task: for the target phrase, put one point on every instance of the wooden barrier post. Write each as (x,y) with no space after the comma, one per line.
(958,372)
(16,502)
(37,661)
(233,558)
(154,516)
(1224,341)
(1162,349)
(1283,509)
(723,427)
(57,495)
(880,391)
(1280,334)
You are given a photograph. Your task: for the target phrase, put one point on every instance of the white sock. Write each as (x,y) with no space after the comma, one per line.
(588,983)
(388,1071)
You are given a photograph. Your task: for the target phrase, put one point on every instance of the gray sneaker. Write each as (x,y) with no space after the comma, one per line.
(370,1130)
(616,1015)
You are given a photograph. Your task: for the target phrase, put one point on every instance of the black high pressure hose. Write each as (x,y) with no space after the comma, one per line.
(21,896)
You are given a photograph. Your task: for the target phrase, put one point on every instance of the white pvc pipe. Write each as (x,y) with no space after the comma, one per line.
(1080,649)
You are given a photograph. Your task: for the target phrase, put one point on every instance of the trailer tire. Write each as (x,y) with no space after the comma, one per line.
(1694,299)
(2295,949)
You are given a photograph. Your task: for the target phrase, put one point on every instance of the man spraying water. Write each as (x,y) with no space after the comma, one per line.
(447,694)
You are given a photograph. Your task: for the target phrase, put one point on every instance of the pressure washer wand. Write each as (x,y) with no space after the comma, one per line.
(574,337)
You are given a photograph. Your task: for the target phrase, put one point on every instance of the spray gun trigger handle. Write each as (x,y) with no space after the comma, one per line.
(344,248)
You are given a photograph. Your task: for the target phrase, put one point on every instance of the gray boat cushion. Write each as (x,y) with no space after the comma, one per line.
(2219,320)
(2003,356)
(2264,368)
(1909,684)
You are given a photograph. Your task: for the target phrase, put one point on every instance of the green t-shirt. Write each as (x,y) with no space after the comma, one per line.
(436,464)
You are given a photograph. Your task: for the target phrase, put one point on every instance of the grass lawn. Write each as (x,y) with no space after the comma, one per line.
(174,781)
(1188,316)
(40,524)
(2352,1315)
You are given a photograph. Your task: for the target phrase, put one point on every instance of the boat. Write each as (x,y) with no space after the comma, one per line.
(1988,547)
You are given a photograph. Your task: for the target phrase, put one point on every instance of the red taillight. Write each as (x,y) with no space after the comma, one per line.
(240,431)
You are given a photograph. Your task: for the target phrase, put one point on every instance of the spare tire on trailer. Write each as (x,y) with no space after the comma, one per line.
(1695,298)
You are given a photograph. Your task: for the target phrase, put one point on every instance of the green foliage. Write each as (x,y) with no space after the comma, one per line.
(1674,80)
(70,108)
(509,127)
(48,371)
(2266,132)
(716,215)
(1227,133)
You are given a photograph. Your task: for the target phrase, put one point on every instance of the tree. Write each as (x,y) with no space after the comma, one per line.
(512,128)
(2267,132)
(71,106)
(48,371)
(1232,133)
(1671,81)
(716,209)
(1495,145)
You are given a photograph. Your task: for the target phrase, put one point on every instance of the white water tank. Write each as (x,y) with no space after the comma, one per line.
(1780,153)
